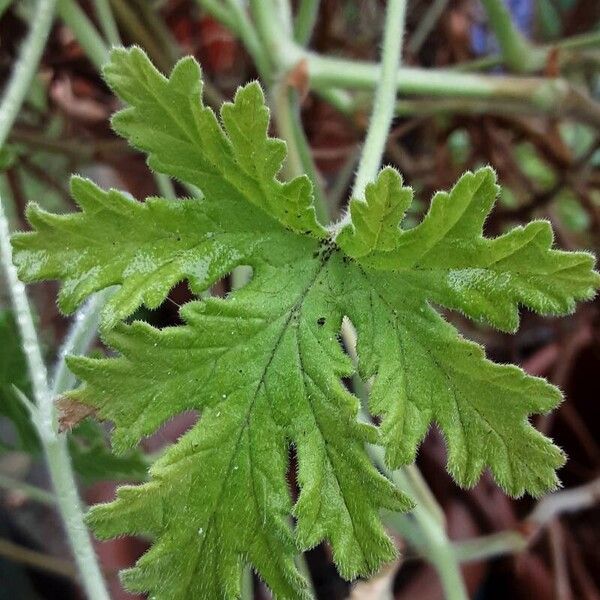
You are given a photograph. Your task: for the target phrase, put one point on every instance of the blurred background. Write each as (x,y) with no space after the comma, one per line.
(540,130)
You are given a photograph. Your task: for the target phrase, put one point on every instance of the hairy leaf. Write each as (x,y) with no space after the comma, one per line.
(264,366)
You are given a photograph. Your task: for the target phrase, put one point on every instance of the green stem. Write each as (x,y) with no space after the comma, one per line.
(55,445)
(285,103)
(305,20)
(165,186)
(31,491)
(489,546)
(550,96)
(25,67)
(430,536)
(385,95)
(107,22)
(517,52)
(427,23)
(4,4)
(79,339)
(221,13)
(235,18)
(84,31)
(425,526)
(247,591)
(566,49)
(299,159)
(326,72)
(131,21)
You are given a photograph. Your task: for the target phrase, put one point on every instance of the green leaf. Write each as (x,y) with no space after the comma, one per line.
(374,225)
(13,372)
(183,138)
(264,366)
(446,259)
(93,461)
(146,248)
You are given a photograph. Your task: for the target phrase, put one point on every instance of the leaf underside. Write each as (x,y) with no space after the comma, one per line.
(264,366)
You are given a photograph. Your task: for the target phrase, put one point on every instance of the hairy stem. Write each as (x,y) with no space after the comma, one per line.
(234,17)
(107,22)
(54,444)
(429,535)
(78,341)
(385,95)
(299,158)
(425,526)
(84,31)
(304,23)
(516,50)
(25,67)
(286,110)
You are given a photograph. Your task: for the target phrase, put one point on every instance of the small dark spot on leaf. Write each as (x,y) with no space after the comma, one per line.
(321,321)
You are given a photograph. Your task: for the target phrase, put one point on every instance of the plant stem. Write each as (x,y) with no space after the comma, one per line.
(305,20)
(165,186)
(4,4)
(221,13)
(299,159)
(285,105)
(517,52)
(327,72)
(427,23)
(489,546)
(31,491)
(84,31)
(37,560)
(107,22)
(425,526)
(131,21)
(235,18)
(566,49)
(385,95)
(80,337)
(431,538)
(55,446)
(25,67)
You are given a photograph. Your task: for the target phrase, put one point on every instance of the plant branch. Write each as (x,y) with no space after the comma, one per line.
(385,95)
(517,52)
(565,501)
(566,49)
(84,31)
(107,22)
(284,100)
(80,337)
(425,525)
(37,560)
(31,491)
(299,160)
(55,447)
(25,67)
(305,20)
(489,546)
(427,23)
(234,18)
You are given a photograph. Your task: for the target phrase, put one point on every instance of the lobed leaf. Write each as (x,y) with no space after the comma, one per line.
(183,138)
(264,367)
